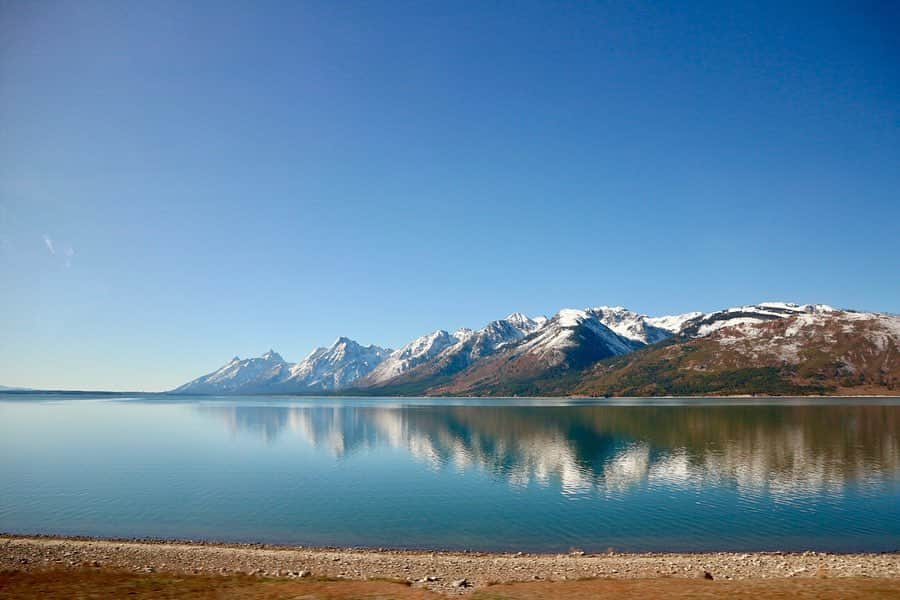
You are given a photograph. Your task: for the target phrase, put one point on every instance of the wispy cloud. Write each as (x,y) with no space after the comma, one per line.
(67,252)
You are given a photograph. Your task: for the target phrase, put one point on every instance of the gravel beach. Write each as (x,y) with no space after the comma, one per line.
(445,572)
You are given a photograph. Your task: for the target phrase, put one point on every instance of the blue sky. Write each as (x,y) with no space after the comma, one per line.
(183,182)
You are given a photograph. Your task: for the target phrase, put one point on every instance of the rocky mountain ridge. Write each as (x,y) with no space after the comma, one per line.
(768,348)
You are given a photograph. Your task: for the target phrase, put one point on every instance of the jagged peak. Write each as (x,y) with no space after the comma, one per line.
(517,318)
(344,341)
(523,322)
(271,355)
(428,338)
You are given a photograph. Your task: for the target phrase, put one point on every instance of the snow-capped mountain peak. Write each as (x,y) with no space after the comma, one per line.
(335,367)
(342,345)
(463,333)
(567,328)
(272,356)
(324,369)
(445,353)
(630,325)
(412,354)
(500,333)
(238,375)
(523,322)
(570,317)
(624,323)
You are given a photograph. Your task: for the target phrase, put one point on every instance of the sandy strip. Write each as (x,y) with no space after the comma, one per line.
(438,571)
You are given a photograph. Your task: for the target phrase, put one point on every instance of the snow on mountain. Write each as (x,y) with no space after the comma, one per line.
(441,353)
(463,333)
(614,330)
(574,337)
(673,323)
(491,337)
(324,369)
(769,348)
(412,354)
(568,342)
(631,325)
(750,314)
(336,367)
(791,308)
(523,322)
(509,329)
(582,330)
(819,327)
(240,375)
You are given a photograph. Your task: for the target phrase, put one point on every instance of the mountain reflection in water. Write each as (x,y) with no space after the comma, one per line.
(784,451)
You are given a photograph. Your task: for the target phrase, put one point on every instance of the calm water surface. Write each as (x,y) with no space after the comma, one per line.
(537,475)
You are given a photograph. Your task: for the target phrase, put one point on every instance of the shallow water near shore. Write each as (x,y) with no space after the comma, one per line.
(543,475)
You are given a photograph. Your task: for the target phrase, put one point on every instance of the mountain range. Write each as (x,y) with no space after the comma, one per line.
(323,370)
(776,348)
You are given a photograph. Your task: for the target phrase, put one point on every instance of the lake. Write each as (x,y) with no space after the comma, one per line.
(484,474)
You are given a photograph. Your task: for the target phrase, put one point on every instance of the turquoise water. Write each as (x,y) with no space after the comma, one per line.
(533,475)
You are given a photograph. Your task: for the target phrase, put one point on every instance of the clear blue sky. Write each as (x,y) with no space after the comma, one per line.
(185,181)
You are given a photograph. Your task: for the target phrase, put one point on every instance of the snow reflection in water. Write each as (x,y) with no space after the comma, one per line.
(785,452)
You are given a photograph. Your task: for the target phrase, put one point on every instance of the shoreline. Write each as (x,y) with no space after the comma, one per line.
(35,392)
(437,571)
(278,546)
